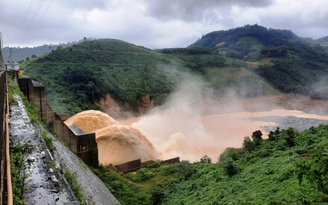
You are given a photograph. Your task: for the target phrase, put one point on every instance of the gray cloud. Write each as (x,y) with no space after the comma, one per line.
(153,24)
(87,4)
(190,10)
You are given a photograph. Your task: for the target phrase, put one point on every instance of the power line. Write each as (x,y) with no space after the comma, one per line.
(33,18)
(42,17)
(23,24)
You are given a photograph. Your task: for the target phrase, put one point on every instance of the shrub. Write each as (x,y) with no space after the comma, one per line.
(185,169)
(157,195)
(229,168)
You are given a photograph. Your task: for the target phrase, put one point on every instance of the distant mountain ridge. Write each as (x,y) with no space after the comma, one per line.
(249,39)
(19,54)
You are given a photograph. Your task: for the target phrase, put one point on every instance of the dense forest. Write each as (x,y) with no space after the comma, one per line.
(78,76)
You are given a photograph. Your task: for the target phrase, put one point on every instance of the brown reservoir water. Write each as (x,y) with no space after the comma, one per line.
(190,133)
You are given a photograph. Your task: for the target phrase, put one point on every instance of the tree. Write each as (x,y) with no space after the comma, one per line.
(273,135)
(257,137)
(248,144)
(231,153)
(314,167)
(290,137)
(205,159)
(157,195)
(229,168)
(185,169)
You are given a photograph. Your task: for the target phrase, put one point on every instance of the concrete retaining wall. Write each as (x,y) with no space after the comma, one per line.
(83,145)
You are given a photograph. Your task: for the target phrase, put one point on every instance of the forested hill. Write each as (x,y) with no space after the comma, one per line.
(80,75)
(250,60)
(247,42)
(297,63)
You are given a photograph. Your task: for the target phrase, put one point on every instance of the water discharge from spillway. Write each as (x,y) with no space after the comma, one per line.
(116,143)
(167,133)
(193,137)
(119,143)
(193,123)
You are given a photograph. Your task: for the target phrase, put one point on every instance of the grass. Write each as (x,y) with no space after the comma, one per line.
(17,165)
(32,111)
(71,179)
(49,141)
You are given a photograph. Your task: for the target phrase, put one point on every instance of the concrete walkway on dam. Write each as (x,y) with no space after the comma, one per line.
(45,183)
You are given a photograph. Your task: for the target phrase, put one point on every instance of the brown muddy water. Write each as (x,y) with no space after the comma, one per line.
(188,132)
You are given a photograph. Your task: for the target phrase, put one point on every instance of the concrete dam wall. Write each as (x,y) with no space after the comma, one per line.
(82,144)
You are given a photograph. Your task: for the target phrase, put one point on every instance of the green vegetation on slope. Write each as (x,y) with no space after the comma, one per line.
(286,168)
(244,40)
(222,73)
(298,63)
(80,75)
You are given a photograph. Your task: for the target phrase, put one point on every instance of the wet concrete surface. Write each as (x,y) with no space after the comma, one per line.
(92,187)
(44,183)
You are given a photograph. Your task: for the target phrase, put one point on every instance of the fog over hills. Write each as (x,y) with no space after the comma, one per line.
(251,60)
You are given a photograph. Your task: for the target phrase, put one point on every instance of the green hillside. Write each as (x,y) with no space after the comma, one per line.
(287,168)
(296,63)
(250,60)
(323,42)
(245,42)
(78,76)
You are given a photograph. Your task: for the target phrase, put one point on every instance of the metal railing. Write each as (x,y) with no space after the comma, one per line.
(8,170)
(4,106)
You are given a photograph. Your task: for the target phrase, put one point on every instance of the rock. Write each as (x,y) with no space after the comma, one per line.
(31,159)
(43,155)
(57,166)
(54,178)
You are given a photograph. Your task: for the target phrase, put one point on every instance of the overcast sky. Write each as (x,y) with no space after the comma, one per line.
(152,23)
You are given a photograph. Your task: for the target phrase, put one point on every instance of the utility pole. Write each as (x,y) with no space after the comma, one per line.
(10,55)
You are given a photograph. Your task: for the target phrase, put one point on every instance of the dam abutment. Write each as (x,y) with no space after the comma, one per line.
(82,144)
